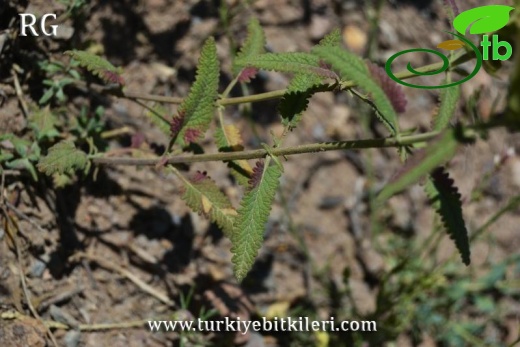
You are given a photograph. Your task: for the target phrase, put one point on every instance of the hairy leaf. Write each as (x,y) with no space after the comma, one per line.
(354,69)
(332,39)
(421,164)
(196,111)
(247,74)
(253,45)
(61,180)
(445,198)
(258,172)
(294,62)
(449,99)
(252,217)
(98,66)
(229,140)
(43,122)
(203,196)
(296,100)
(63,157)
(393,91)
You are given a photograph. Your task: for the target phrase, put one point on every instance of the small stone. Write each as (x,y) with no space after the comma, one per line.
(355,38)
(362,297)
(515,171)
(320,26)
(64,32)
(72,338)
(338,125)
(61,316)
(330,202)
(37,268)
(255,340)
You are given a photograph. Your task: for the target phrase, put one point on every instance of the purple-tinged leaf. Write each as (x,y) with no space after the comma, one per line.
(176,124)
(191,135)
(247,74)
(393,91)
(256,177)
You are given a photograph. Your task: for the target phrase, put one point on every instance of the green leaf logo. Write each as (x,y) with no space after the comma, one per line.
(485,19)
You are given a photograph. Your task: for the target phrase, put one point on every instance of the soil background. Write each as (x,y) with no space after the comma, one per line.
(320,244)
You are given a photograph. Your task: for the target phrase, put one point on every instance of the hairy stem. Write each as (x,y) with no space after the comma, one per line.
(405,74)
(260,153)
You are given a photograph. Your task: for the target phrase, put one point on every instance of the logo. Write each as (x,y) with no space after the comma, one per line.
(479,20)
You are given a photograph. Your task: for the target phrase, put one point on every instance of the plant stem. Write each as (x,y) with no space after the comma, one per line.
(260,153)
(405,74)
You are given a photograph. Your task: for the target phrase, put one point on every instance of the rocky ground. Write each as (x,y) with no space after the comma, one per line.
(124,248)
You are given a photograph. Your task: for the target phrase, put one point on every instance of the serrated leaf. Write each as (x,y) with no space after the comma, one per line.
(229,136)
(294,62)
(449,99)
(392,89)
(196,111)
(203,195)
(445,199)
(157,115)
(254,43)
(252,216)
(23,163)
(229,139)
(61,180)
(331,39)
(420,164)
(98,66)
(483,19)
(296,99)
(61,158)
(43,122)
(352,68)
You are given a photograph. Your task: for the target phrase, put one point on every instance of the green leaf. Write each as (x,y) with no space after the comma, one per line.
(228,139)
(49,92)
(296,100)
(485,19)
(421,164)
(449,99)
(23,163)
(98,66)
(43,122)
(196,111)
(252,216)
(352,68)
(294,62)
(253,45)
(445,199)
(332,39)
(203,196)
(61,180)
(63,157)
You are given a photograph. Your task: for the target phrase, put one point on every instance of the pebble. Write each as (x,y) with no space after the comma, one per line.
(255,340)
(330,202)
(72,338)
(37,268)
(515,172)
(362,298)
(320,26)
(355,38)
